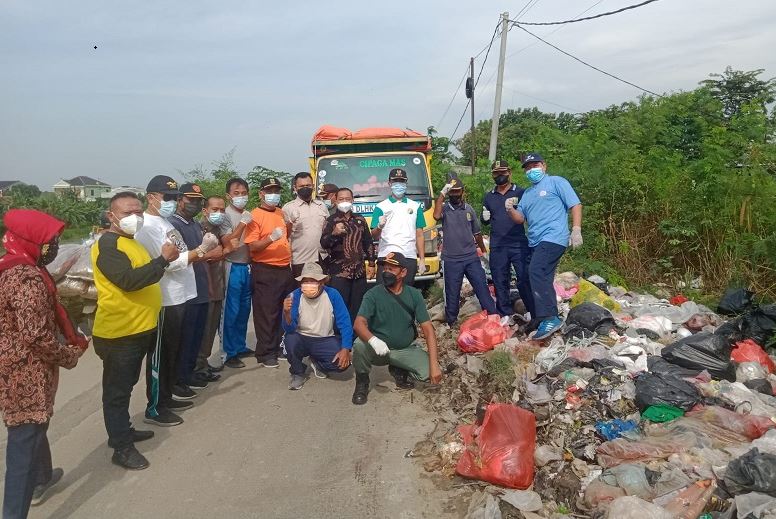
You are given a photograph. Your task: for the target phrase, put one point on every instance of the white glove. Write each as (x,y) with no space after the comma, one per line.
(485,214)
(276,234)
(576,237)
(510,203)
(446,189)
(209,242)
(246,217)
(379,346)
(383,220)
(421,267)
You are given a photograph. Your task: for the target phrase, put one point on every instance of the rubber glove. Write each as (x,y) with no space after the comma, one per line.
(510,203)
(276,234)
(379,346)
(246,217)
(209,242)
(446,189)
(576,237)
(485,214)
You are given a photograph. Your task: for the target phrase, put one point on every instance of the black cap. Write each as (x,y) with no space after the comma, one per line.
(456,184)
(500,165)
(270,182)
(192,190)
(394,258)
(163,184)
(328,189)
(397,174)
(532,157)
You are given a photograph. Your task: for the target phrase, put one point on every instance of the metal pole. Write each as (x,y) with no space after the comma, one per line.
(474,140)
(499,86)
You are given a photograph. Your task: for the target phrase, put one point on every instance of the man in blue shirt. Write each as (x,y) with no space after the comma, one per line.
(545,206)
(508,243)
(460,238)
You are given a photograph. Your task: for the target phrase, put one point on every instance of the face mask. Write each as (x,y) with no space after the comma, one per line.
(272,199)
(305,193)
(455,199)
(327,203)
(310,290)
(345,207)
(240,201)
(398,189)
(131,224)
(191,209)
(166,207)
(215,218)
(49,251)
(534,175)
(389,278)
(501,180)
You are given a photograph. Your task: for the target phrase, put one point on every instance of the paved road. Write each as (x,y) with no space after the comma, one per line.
(249,448)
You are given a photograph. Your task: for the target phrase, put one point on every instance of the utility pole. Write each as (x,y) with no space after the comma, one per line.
(470,95)
(499,86)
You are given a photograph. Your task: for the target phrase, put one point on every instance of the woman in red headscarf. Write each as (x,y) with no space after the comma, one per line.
(36,338)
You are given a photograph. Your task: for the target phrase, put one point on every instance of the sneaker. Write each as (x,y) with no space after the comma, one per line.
(206,376)
(270,362)
(181,392)
(283,356)
(129,458)
(39,492)
(178,405)
(215,369)
(317,371)
(246,353)
(547,328)
(234,362)
(141,436)
(296,382)
(197,384)
(164,418)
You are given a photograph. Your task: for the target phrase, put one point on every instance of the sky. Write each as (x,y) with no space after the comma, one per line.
(178,84)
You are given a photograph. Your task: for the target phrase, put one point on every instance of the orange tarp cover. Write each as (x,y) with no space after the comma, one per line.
(332,133)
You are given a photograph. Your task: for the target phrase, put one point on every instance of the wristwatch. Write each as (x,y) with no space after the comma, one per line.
(200,252)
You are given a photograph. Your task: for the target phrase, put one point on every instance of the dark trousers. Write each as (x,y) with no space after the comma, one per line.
(194,321)
(412,269)
(544,260)
(27,465)
(454,273)
(320,349)
(271,285)
(212,327)
(352,292)
(502,260)
(166,361)
(122,360)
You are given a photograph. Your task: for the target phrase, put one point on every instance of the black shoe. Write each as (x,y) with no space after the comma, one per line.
(129,458)
(141,436)
(212,369)
(181,392)
(234,362)
(197,384)
(206,376)
(268,362)
(39,492)
(402,377)
(362,389)
(175,405)
(164,418)
(246,353)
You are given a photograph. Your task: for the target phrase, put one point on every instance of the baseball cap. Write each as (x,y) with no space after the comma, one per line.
(456,184)
(328,189)
(192,190)
(397,174)
(270,182)
(499,165)
(163,184)
(394,258)
(532,157)
(312,270)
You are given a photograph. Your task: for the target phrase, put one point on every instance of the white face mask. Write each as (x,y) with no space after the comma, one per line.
(345,206)
(240,201)
(327,203)
(131,224)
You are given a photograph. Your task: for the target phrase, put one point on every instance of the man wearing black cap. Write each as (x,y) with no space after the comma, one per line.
(508,243)
(270,271)
(328,194)
(460,238)
(178,286)
(386,332)
(398,223)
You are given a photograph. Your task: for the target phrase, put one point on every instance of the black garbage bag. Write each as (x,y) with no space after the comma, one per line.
(591,317)
(755,471)
(760,385)
(759,324)
(663,388)
(735,301)
(657,364)
(731,330)
(701,351)
(576,331)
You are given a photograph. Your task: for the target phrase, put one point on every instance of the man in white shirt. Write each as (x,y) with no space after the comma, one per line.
(305,218)
(398,223)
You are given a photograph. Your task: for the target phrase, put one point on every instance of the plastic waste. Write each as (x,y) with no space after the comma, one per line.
(537,394)
(750,426)
(657,364)
(690,502)
(552,355)
(501,450)
(523,500)
(657,325)
(750,351)
(632,479)
(735,301)
(598,492)
(750,371)
(759,324)
(702,351)
(482,332)
(697,322)
(755,471)
(678,299)
(590,293)
(596,351)
(591,317)
(483,506)
(615,452)
(661,413)
(659,388)
(632,507)
(545,454)
(755,504)
(745,400)
(633,356)
(670,481)
(760,385)
(613,429)
(68,254)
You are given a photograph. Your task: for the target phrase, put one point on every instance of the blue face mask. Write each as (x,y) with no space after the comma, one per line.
(215,218)
(272,199)
(398,189)
(534,175)
(167,208)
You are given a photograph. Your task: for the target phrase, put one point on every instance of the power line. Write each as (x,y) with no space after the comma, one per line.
(635,6)
(527,7)
(586,63)
(455,94)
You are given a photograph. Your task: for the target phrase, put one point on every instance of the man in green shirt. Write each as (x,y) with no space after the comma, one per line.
(386,331)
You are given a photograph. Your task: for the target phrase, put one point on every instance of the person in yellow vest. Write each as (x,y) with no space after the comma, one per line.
(128,303)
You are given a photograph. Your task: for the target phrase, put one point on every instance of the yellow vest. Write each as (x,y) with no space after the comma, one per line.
(120,313)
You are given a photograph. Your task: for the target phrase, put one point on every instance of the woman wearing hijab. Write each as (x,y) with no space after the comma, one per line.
(36,338)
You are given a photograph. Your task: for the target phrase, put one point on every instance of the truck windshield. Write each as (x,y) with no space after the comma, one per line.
(367,176)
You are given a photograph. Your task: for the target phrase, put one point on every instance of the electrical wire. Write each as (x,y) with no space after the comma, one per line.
(586,63)
(575,20)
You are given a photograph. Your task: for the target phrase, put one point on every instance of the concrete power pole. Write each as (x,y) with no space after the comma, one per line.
(474,141)
(499,86)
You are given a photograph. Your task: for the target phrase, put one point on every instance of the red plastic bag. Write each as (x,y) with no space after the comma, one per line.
(751,426)
(481,332)
(750,351)
(501,450)
(678,300)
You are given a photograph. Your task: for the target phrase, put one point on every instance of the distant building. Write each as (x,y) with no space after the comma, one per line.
(6,185)
(85,188)
(109,194)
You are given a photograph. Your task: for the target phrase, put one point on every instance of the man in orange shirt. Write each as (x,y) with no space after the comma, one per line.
(271,276)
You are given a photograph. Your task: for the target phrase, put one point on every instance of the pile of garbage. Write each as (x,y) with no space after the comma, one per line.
(640,407)
(72,272)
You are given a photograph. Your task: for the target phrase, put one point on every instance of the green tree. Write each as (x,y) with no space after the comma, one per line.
(737,88)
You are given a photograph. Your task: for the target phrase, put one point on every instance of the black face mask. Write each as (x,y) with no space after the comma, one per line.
(191,209)
(305,193)
(49,252)
(501,180)
(389,278)
(455,199)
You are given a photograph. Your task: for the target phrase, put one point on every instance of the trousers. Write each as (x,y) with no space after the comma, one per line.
(237,308)
(544,260)
(413,358)
(164,359)
(320,349)
(27,465)
(212,327)
(352,292)
(453,275)
(271,285)
(194,321)
(502,260)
